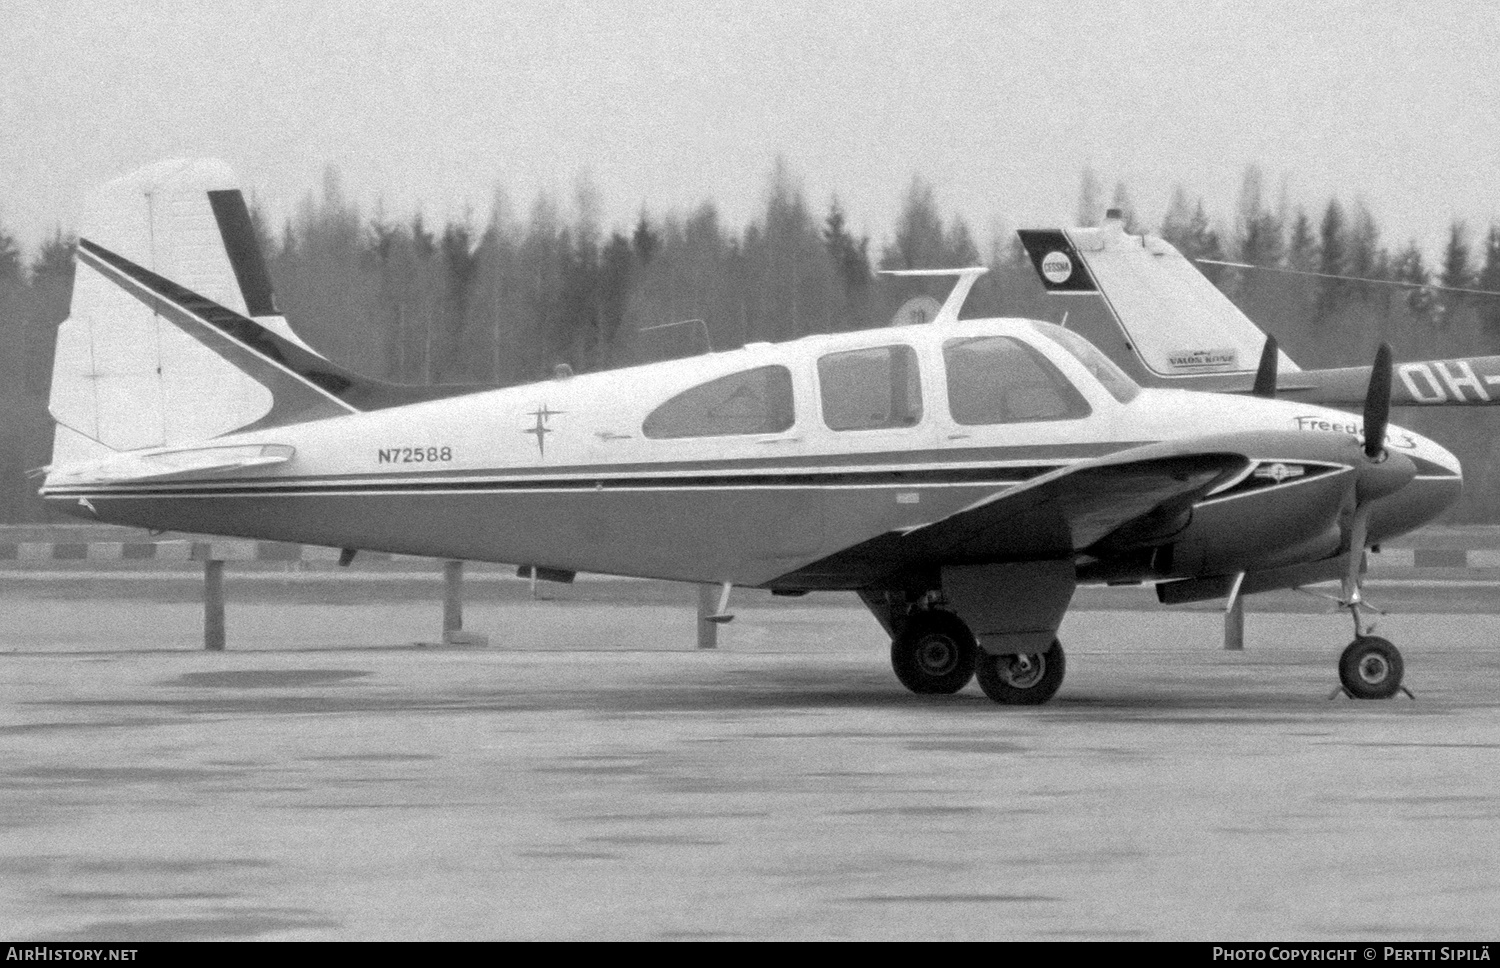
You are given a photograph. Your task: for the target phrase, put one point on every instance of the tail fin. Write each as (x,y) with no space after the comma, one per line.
(1175,322)
(131,369)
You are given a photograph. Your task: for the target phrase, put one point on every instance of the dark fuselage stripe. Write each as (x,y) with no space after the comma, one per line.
(901,478)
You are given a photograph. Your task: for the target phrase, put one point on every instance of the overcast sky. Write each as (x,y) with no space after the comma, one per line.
(664,104)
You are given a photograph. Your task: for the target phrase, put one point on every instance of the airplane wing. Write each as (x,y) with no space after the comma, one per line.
(1113,503)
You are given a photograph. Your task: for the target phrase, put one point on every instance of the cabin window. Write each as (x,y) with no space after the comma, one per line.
(997,379)
(1120,386)
(871,389)
(755,401)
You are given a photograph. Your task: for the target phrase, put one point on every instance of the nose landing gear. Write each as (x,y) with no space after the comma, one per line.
(1371,668)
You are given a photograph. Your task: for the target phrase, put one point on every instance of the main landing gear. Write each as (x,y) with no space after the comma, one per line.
(1022,680)
(935,654)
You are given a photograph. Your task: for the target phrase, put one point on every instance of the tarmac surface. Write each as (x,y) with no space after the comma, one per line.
(590,775)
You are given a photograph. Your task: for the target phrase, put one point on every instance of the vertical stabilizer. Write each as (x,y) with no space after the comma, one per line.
(1176,322)
(126,378)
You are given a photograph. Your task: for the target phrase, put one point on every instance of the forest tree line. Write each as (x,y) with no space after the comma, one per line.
(504,301)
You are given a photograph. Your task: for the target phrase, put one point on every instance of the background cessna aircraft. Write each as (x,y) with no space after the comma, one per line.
(963,477)
(1168,326)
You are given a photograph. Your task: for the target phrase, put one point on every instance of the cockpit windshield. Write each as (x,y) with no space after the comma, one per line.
(1119,385)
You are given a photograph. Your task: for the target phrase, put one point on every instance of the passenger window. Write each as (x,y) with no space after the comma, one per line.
(755,401)
(997,379)
(871,389)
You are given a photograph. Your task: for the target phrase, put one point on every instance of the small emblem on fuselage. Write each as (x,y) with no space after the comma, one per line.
(1057,268)
(1279,472)
(541,430)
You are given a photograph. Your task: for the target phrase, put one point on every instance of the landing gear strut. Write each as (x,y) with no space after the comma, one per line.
(1370,667)
(934,654)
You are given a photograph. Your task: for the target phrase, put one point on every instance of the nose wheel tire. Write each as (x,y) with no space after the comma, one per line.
(1021,680)
(1371,668)
(934,654)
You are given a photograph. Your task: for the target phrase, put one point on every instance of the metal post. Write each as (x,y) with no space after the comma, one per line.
(708,632)
(453,608)
(1234,625)
(453,598)
(213,605)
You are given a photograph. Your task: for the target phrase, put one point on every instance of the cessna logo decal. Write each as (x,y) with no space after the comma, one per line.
(1057,268)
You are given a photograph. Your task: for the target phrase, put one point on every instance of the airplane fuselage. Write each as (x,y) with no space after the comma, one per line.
(599,472)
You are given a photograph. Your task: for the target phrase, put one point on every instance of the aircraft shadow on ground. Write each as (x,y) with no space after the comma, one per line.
(739,692)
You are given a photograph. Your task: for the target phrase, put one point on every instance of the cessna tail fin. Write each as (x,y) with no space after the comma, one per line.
(1168,326)
(1175,322)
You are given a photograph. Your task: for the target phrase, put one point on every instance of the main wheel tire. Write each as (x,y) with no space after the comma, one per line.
(934,654)
(1371,668)
(1021,680)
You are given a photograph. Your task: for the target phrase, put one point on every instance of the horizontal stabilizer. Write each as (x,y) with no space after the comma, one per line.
(167,464)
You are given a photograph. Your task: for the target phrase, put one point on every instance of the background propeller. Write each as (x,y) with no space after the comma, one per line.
(1378,404)
(1265,374)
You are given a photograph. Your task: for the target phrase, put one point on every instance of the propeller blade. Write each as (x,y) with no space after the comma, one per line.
(1378,403)
(1265,374)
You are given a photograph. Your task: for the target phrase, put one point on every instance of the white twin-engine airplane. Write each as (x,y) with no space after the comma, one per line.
(963,476)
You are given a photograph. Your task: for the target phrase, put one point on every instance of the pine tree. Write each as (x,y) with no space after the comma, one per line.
(1187,227)
(1489,280)
(460,266)
(53,265)
(52,290)
(1366,258)
(850,256)
(10,260)
(645,239)
(1302,248)
(1176,225)
(1258,230)
(1333,256)
(919,242)
(959,249)
(1457,272)
(1122,203)
(1409,266)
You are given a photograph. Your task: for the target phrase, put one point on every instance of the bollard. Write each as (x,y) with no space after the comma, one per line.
(708,632)
(213,605)
(453,598)
(1234,625)
(453,608)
